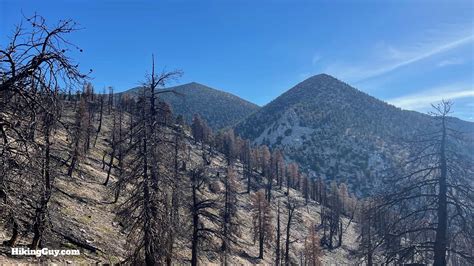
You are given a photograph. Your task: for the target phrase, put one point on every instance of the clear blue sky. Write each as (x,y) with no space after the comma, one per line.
(409,53)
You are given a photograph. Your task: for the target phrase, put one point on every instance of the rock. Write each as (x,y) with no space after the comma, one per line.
(216,187)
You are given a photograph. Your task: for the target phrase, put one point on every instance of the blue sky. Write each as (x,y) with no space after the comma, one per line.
(408,53)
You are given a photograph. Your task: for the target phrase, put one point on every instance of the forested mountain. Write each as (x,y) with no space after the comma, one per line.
(220,109)
(338,132)
(121,179)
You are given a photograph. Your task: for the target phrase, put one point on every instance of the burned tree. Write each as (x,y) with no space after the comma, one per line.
(428,203)
(290,207)
(201,209)
(101,115)
(145,209)
(114,143)
(78,135)
(33,66)
(312,249)
(246,159)
(366,239)
(278,237)
(230,224)
(262,221)
(331,219)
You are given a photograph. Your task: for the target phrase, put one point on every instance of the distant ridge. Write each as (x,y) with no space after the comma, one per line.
(220,109)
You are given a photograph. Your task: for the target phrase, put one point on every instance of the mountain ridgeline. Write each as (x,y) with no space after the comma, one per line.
(220,109)
(338,132)
(331,129)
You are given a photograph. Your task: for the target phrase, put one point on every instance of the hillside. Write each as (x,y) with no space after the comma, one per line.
(338,132)
(82,213)
(220,109)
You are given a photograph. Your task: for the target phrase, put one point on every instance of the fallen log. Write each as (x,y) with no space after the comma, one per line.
(78,242)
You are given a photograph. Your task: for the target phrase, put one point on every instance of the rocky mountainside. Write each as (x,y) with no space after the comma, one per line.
(220,109)
(338,132)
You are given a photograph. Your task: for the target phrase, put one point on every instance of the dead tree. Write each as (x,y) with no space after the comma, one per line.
(48,172)
(278,238)
(113,147)
(146,207)
(246,159)
(265,165)
(428,201)
(33,66)
(230,224)
(291,177)
(101,114)
(291,207)
(177,195)
(366,239)
(201,209)
(312,249)
(262,221)
(110,101)
(78,135)
(331,219)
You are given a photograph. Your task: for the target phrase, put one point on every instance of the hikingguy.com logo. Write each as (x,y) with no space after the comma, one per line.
(44,252)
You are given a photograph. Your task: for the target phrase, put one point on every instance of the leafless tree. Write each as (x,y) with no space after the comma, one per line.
(428,206)
(146,207)
(312,249)
(230,224)
(331,219)
(278,237)
(78,136)
(262,221)
(201,209)
(33,68)
(291,207)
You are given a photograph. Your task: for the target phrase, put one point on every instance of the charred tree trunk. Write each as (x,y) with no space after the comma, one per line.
(291,210)
(278,237)
(75,156)
(99,127)
(195,237)
(261,238)
(174,199)
(40,216)
(112,153)
(148,238)
(15,234)
(441,229)
(247,172)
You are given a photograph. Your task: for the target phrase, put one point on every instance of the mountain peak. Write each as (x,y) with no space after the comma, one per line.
(193,83)
(323,77)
